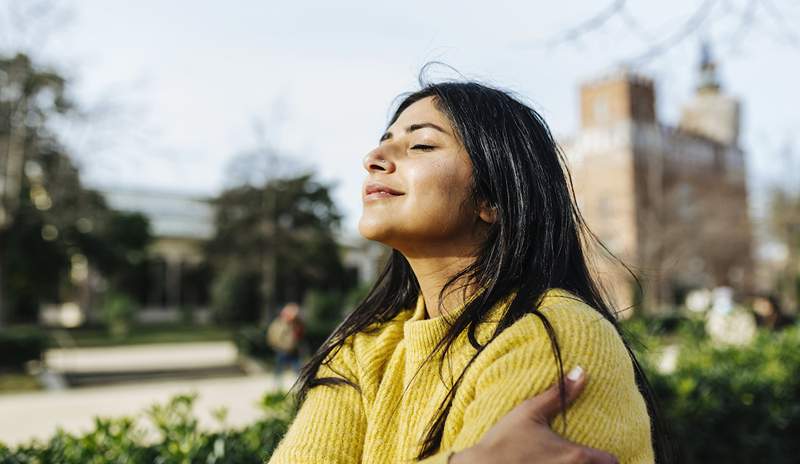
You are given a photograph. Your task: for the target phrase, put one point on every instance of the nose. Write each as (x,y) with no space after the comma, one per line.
(377,161)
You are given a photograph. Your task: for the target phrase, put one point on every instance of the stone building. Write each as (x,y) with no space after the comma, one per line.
(670,202)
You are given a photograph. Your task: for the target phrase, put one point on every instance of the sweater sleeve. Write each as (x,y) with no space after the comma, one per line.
(610,414)
(329,427)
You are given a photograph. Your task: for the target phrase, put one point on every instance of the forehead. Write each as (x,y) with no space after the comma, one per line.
(423,110)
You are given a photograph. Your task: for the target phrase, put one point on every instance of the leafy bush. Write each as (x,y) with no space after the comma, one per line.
(118,312)
(730,404)
(235,297)
(180,441)
(252,342)
(18,346)
(324,310)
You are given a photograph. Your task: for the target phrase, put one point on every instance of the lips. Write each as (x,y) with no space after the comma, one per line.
(376,190)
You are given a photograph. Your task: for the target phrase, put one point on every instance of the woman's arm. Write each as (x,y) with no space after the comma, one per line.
(331,424)
(610,415)
(524,435)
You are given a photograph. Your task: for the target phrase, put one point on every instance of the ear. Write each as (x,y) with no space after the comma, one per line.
(487,212)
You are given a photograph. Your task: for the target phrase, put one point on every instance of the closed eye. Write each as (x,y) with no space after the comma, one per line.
(423,147)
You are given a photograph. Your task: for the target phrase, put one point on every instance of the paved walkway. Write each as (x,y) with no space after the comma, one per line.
(37,415)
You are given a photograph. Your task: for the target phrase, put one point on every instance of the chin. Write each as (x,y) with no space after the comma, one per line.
(376,229)
(371,229)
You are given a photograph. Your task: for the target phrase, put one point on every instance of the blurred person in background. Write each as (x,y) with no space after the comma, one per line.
(458,354)
(285,336)
(769,314)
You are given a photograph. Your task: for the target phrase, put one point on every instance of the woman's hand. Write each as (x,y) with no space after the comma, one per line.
(523,436)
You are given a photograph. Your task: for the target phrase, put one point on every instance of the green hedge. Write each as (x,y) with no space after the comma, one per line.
(735,405)
(20,345)
(180,441)
(725,403)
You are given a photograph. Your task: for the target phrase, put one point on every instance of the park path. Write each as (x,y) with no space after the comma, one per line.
(25,416)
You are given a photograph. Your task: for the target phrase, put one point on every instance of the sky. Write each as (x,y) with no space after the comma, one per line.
(170,92)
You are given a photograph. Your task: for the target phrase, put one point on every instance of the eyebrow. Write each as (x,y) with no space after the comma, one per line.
(388,135)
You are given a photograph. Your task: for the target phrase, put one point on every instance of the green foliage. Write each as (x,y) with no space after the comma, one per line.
(19,346)
(252,342)
(30,96)
(118,312)
(48,219)
(31,267)
(179,440)
(727,404)
(235,296)
(322,312)
(111,441)
(118,248)
(16,382)
(281,233)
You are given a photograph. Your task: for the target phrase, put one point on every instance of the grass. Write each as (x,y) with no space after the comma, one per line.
(141,335)
(18,382)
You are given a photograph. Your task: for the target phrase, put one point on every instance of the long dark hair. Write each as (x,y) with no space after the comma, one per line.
(535,244)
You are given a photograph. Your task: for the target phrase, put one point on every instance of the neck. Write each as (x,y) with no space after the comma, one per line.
(432,273)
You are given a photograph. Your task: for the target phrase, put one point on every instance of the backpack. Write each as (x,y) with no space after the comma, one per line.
(281,336)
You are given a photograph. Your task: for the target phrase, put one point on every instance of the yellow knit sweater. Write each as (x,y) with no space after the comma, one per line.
(337,424)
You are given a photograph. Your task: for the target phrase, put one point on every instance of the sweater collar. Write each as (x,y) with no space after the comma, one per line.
(423,333)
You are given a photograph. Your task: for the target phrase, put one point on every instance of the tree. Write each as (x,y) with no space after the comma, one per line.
(62,235)
(54,232)
(278,237)
(28,97)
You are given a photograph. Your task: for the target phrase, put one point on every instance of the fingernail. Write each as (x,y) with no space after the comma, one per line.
(575,374)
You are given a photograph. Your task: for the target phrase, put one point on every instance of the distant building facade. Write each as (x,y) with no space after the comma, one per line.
(670,202)
(180,225)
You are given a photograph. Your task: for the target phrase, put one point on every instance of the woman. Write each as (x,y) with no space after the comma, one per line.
(485,301)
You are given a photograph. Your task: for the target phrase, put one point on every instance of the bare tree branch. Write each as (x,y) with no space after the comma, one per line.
(592,24)
(688,28)
(746,16)
(786,31)
(634,26)
(746,20)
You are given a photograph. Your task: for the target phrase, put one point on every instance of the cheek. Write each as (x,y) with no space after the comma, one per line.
(440,192)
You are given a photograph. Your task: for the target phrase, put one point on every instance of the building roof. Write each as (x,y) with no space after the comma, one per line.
(171,214)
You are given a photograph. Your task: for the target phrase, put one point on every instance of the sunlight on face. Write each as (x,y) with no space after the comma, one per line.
(417,192)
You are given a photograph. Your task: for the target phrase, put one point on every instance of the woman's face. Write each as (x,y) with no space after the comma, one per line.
(418,189)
